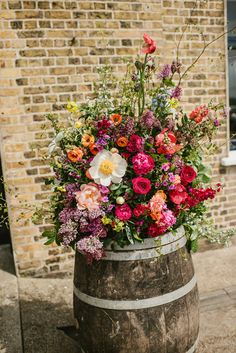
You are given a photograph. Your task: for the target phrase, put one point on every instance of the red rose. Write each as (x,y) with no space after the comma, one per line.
(188,174)
(135,143)
(139,210)
(123,212)
(178,195)
(150,45)
(141,185)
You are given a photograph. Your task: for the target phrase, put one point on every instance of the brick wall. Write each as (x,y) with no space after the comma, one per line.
(49,54)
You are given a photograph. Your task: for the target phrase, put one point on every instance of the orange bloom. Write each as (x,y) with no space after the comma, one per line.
(87,140)
(88,174)
(93,149)
(122,141)
(116,119)
(75,155)
(155,216)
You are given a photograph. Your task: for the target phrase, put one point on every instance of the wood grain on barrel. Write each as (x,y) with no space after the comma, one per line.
(168,328)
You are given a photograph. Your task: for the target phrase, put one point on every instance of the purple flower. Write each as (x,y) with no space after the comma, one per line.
(71,189)
(216,122)
(171,177)
(128,128)
(165,72)
(176,92)
(148,120)
(68,232)
(165,166)
(91,247)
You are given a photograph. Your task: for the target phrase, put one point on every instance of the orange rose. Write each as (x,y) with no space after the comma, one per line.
(75,155)
(116,119)
(122,141)
(87,140)
(93,149)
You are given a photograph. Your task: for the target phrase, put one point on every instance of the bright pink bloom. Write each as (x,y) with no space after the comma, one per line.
(141,185)
(178,195)
(188,174)
(142,163)
(150,45)
(123,212)
(135,143)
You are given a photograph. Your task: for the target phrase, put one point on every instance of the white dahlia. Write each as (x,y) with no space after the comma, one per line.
(107,167)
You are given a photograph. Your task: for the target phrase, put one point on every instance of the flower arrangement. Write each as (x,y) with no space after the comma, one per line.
(128,164)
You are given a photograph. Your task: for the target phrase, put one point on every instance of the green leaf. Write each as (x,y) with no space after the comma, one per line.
(50,233)
(194,245)
(129,235)
(115,187)
(138,238)
(49,241)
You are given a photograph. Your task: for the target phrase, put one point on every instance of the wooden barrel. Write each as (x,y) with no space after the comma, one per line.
(140,299)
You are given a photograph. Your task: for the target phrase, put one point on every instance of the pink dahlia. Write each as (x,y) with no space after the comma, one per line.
(141,185)
(135,143)
(142,163)
(123,212)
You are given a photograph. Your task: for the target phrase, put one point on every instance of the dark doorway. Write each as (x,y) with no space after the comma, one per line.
(5,237)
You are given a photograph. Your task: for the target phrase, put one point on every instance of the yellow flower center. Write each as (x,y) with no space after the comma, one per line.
(107,167)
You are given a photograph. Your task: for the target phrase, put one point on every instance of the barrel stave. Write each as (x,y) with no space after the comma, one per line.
(123,280)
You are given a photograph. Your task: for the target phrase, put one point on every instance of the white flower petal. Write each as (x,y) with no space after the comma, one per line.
(94,172)
(105,181)
(116,179)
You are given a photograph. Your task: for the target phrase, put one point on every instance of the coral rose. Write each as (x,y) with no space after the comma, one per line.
(75,155)
(116,119)
(89,197)
(178,195)
(87,140)
(123,212)
(122,141)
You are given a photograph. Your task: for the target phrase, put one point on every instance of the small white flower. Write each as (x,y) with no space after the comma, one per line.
(107,167)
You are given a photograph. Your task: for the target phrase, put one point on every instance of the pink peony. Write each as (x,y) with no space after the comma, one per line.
(142,163)
(123,212)
(141,185)
(89,197)
(135,143)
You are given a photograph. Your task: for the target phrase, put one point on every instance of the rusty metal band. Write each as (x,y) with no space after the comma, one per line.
(138,303)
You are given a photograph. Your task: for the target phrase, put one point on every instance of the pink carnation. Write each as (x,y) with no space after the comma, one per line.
(135,143)
(141,185)
(123,212)
(142,163)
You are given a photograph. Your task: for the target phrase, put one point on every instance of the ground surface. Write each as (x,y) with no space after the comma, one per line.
(31,309)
